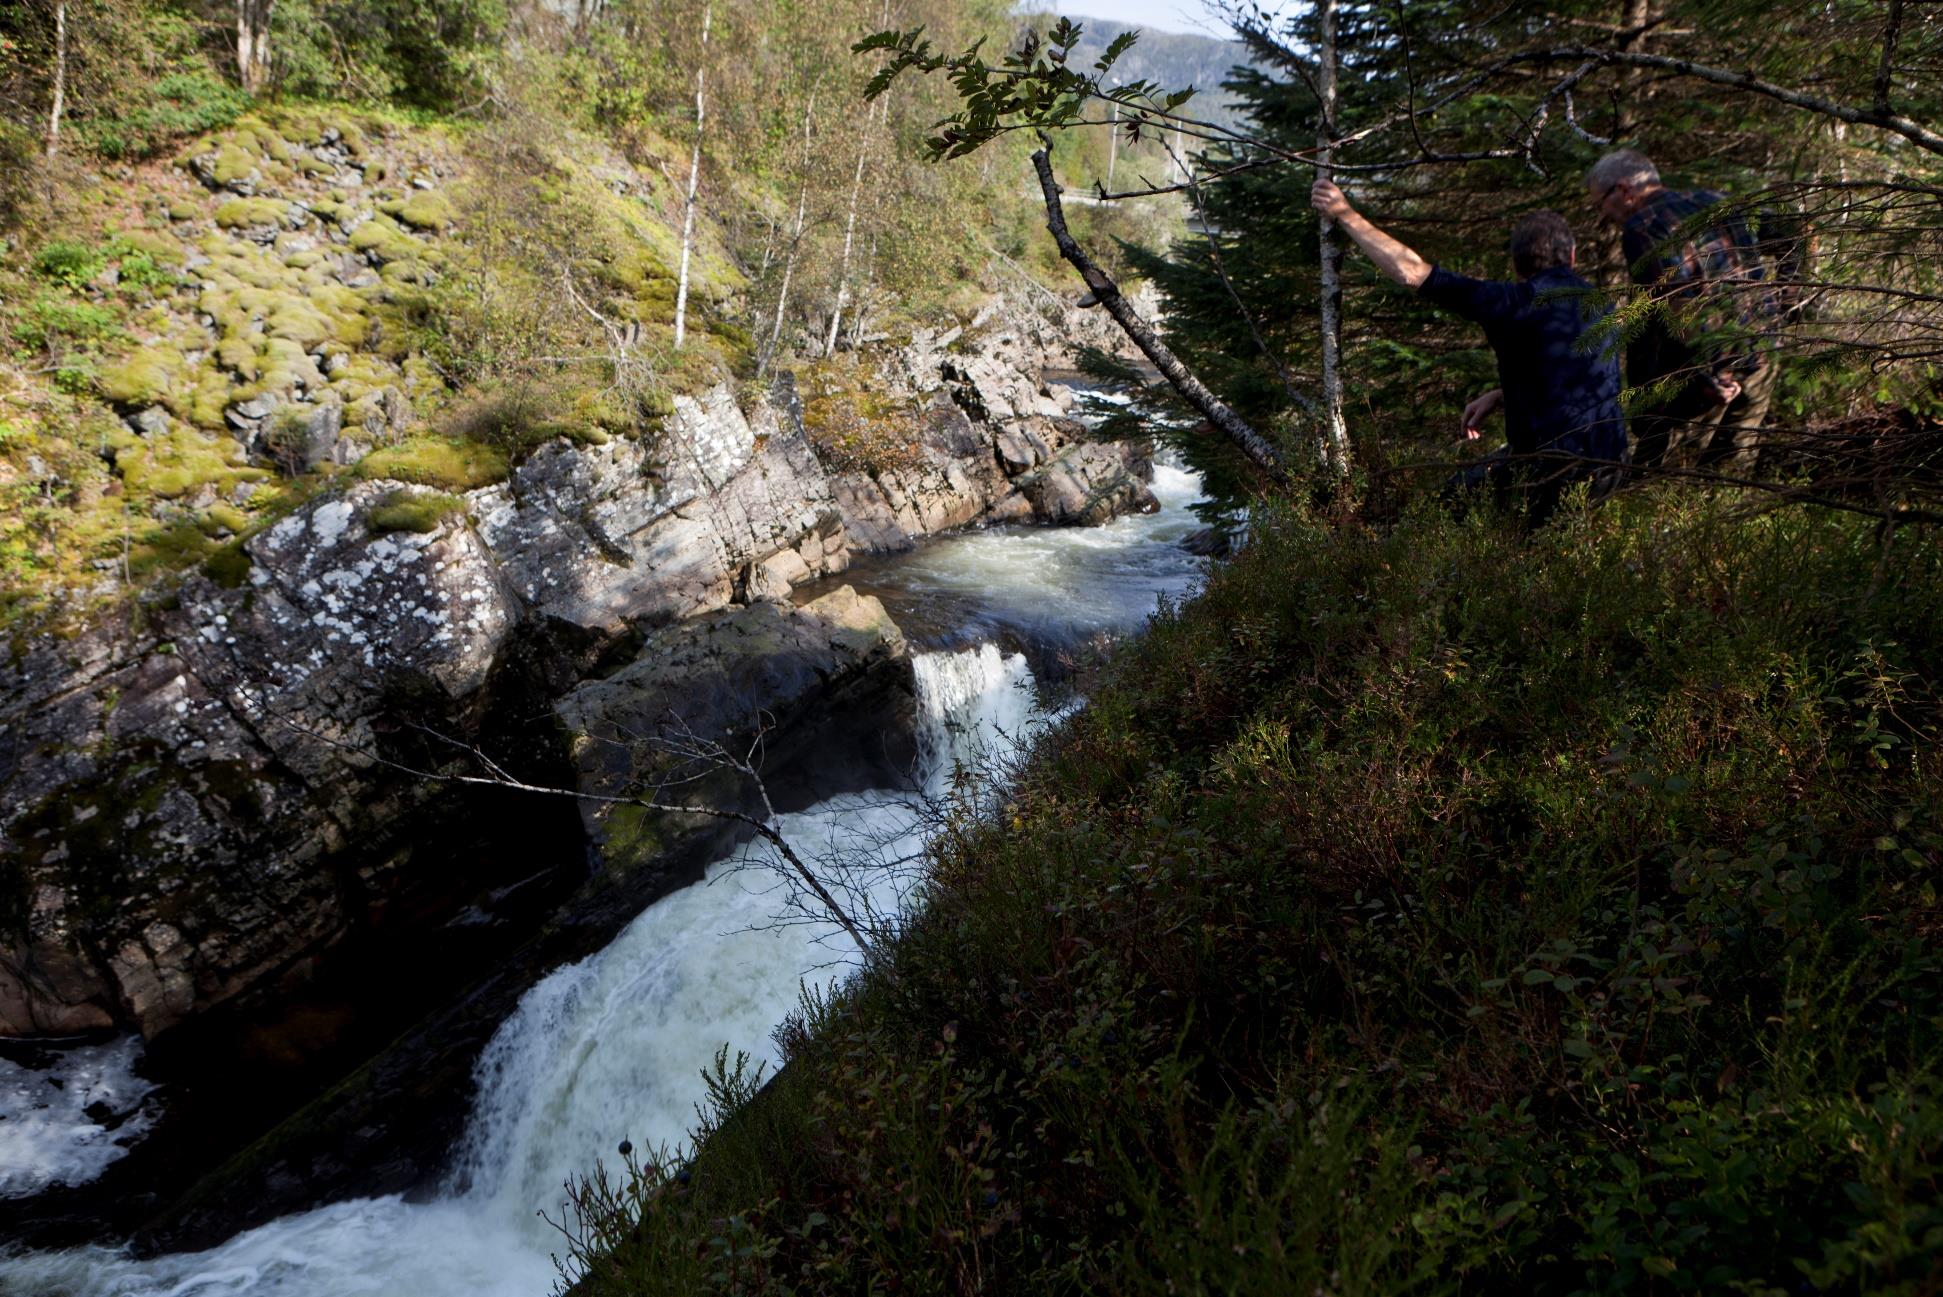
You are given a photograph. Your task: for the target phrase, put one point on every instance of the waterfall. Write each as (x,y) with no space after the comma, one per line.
(605,1049)
(611,1047)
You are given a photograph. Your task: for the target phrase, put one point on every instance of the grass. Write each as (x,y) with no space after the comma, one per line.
(1421,909)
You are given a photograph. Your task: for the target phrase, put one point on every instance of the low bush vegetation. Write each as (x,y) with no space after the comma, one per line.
(1422,909)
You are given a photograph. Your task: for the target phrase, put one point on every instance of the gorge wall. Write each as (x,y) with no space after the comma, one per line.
(199,801)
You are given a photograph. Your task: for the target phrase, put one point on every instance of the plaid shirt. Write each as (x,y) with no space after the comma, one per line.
(1704,275)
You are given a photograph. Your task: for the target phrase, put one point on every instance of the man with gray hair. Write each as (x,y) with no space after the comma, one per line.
(1706,352)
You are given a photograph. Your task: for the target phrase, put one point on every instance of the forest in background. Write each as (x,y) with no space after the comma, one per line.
(542,289)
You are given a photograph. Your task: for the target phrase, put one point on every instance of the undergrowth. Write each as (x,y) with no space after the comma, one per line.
(1420,909)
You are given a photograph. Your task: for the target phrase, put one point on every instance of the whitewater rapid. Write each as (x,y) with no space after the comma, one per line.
(612,1047)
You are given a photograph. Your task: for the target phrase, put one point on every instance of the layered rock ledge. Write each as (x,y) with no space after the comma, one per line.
(223,810)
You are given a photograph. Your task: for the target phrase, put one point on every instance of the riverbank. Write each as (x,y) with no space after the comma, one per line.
(611,1046)
(1422,907)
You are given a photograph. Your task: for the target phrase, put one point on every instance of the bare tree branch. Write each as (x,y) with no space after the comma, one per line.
(1192,390)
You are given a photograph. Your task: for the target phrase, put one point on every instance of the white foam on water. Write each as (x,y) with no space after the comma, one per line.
(46,1135)
(1063,584)
(606,1049)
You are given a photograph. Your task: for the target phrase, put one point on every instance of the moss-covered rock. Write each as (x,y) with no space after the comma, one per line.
(252,213)
(381,237)
(411,510)
(442,462)
(141,379)
(176,463)
(232,163)
(427,209)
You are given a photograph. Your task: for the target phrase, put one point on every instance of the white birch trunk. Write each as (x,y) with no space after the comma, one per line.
(1335,436)
(849,239)
(60,81)
(694,178)
(253,43)
(795,244)
(1112,147)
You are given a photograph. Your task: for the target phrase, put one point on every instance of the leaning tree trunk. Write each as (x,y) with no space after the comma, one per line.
(1335,437)
(1192,390)
(253,44)
(60,80)
(694,178)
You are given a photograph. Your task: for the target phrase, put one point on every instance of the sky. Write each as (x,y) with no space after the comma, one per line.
(1166,15)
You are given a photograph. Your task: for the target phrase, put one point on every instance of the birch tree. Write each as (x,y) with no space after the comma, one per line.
(795,242)
(59,103)
(850,232)
(1335,437)
(253,44)
(694,180)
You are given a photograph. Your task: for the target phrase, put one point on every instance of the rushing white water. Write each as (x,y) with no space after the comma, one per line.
(1060,585)
(612,1047)
(63,1123)
(606,1049)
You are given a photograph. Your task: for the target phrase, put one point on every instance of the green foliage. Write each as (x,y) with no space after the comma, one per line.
(1031,88)
(57,322)
(425,55)
(1420,909)
(68,263)
(178,105)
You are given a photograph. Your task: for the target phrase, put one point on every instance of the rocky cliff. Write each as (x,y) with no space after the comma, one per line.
(201,801)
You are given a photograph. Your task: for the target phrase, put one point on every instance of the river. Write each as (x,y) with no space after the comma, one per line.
(611,1048)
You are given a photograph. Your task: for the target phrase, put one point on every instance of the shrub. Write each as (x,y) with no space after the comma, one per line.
(54,321)
(181,104)
(69,263)
(1421,908)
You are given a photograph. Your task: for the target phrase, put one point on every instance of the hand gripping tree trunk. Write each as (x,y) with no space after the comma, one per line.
(60,80)
(1192,390)
(694,179)
(1335,437)
(253,44)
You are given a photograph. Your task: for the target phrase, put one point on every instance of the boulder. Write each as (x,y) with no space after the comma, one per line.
(1091,483)
(831,678)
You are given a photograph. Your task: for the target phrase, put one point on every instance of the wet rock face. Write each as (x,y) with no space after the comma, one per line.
(195,808)
(827,685)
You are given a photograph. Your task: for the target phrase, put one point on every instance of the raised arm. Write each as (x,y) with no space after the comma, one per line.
(1397,260)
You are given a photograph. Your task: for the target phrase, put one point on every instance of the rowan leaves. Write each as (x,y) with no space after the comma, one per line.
(1034,87)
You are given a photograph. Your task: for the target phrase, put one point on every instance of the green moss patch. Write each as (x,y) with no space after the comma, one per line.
(228,566)
(427,209)
(415,511)
(233,163)
(439,462)
(382,238)
(251,213)
(141,379)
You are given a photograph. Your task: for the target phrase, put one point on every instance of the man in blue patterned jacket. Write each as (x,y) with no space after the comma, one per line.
(1705,353)
(1558,379)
